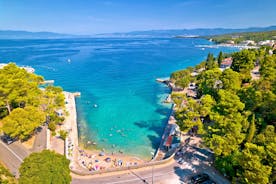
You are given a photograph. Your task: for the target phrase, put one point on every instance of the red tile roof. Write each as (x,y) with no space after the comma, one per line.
(169,141)
(227,61)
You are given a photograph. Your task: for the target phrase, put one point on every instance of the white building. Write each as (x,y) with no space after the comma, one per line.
(27,68)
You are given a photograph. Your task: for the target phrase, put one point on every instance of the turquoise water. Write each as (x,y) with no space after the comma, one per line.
(119,76)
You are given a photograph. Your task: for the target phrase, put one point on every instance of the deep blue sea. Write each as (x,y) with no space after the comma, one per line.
(116,74)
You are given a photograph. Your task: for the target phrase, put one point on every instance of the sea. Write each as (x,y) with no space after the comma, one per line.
(121,105)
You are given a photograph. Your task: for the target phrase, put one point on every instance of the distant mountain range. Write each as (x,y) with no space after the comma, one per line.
(186,32)
(8,34)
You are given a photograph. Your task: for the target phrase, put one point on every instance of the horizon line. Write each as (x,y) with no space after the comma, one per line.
(131,31)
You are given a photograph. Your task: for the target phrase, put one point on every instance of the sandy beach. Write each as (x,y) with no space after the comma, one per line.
(99,160)
(92,160)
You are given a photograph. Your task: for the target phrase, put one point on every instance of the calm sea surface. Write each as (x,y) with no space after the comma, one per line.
(120,107)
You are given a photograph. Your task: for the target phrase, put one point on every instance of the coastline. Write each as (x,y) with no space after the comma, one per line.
(83,160)
(70,124)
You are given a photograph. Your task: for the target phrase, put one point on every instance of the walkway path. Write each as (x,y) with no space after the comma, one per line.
(255,73)
(40,142)
(168,173)
(13,155)
(70,124)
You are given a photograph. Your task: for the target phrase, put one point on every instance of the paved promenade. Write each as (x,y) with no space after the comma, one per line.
(70,124)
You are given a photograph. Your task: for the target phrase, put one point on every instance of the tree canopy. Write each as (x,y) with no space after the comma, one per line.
(21,123)
(23,105)
(236,115)
(18,87)
(5,176)
(46,167)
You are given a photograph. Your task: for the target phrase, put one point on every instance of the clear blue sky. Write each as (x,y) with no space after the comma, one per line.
(103,16)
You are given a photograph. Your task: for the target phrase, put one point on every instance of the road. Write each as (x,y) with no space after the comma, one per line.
(40,142)
(160,174)
(12,156)
(170,173)
(196,160)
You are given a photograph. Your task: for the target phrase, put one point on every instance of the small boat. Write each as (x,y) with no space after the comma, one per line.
(68,60)
(95,105)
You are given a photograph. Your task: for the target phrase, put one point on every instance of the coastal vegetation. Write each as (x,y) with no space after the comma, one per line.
(6,177)
(234,113)
(24,105)
(238,38)
(45,167)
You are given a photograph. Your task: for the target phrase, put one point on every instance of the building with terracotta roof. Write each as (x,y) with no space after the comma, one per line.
(226,63)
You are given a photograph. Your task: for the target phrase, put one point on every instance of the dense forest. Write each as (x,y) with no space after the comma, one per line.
(234,113)
(239,37)
(24,105)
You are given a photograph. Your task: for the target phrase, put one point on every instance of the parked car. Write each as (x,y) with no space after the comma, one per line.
(200,178)
(7,139)
(208,182)
(181,161)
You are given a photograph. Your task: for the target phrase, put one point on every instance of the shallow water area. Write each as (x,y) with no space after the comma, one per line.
(120,108)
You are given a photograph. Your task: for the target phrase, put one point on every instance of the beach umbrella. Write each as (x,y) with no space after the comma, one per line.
(108,159)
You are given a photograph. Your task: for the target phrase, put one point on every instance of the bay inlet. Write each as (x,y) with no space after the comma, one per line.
(120,108)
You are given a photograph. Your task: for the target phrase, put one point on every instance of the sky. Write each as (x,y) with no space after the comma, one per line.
(108,16)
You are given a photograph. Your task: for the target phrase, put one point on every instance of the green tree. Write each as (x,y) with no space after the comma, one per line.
(207,103)
(63,134)
(52,126)
(189,116)
(231,80)
(181,78)
(209,82)
(21,123)
(210,62)
(18,87)
(220,58)
(46,167)
(243,62)
(229,124)
(253,169)
(227,133)
(228,164)
(5,176)
(53,99)
(252,130)
(228,103)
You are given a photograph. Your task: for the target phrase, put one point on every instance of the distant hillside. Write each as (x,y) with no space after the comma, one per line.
(7,34)
(239,37)
(185,32)
(179,33)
